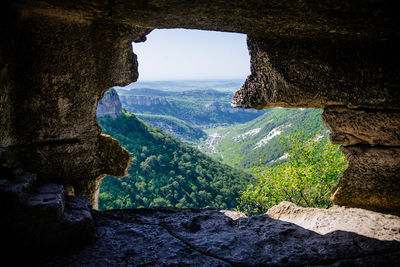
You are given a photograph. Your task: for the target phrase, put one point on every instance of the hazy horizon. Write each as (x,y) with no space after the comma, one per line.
(186,85)
(192,79)
(182,55)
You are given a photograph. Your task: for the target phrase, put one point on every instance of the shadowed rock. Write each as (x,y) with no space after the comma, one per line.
(41,219)
(207,237)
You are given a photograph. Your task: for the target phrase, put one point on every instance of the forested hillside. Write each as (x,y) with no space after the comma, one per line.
(242,145)
(166,172)
(175,127)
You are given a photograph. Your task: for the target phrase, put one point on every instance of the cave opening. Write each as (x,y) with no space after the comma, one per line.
(190,147)
(56,61)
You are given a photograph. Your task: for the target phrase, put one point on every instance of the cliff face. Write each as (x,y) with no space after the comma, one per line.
(109,105)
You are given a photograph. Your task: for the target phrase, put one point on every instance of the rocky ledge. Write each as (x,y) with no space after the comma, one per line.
(40,219)
(208,237)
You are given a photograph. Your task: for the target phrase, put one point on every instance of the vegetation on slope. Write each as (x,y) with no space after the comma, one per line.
(306,178)
(166,172)
(175,127)
(243,145)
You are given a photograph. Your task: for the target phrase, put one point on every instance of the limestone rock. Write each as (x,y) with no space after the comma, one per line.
(363,126)
(67,62)
(208,237)
(372,179)
(79,163)
(109,105)
(77,209)
(256,17)
(77,223)
(324,221)
(304,73)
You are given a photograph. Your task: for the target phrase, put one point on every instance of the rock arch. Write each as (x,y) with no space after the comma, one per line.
(58,58)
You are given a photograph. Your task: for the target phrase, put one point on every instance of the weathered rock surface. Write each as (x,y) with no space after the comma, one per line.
(372,179)
(363,126)
(49,200)
(54,69)
(291,72)
(323,221)
(109,105)
(256,17)
(80,163)
(208,237)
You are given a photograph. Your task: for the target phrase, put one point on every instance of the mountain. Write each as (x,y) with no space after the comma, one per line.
(166,172)
(242,145)
(195,107)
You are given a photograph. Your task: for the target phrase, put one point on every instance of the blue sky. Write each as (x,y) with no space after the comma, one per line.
(179,54)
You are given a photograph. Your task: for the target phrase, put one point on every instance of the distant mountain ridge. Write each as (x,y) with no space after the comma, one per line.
(196,107)
(225,85)
(158,92)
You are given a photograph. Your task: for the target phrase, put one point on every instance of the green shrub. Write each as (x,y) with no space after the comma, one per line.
(306,177)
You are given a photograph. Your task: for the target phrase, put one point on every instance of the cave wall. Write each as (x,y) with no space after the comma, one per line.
(356,82)
(58,58)
(56,69)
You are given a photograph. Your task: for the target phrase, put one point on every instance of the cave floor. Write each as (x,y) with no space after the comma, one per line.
(208,237)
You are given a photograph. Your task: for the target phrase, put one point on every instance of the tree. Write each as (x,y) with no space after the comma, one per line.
(307,176)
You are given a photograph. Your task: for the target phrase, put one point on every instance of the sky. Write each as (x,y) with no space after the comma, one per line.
(179,54)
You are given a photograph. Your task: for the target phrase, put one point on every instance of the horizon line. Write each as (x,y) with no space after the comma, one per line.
(190,79)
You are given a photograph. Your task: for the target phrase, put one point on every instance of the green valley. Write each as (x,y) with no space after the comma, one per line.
(166,172)
(190,148)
